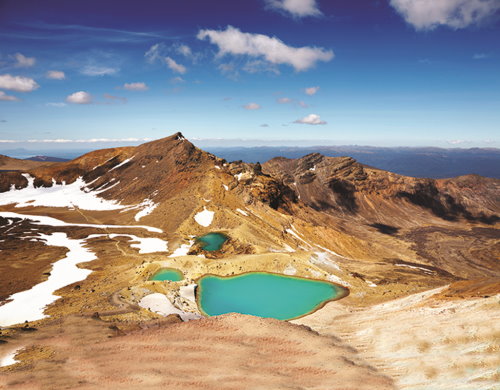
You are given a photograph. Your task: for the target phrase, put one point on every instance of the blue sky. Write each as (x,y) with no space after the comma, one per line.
(386,72)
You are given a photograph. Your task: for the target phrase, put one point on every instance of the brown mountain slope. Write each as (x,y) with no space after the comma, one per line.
(13,164)
(449,223)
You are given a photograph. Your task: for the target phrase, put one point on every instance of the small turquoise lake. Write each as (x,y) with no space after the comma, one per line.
(170,274)
(265,295)
(212,241)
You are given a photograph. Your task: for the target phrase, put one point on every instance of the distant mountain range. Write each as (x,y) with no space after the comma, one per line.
(421,162)
(429,162)
(47,159)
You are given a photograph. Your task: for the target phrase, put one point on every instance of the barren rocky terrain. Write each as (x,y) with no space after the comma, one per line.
(419,256)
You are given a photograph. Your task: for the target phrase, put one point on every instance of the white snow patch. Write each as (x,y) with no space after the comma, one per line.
(225,187)
(148,207)
(121,164)
(239,176)
(187,292)
(10,358)
(182,250)
(42,220)
(242,212)
(330,251)
(371,284)
(217,167)
(144,244)
(293,232)
(313,168)
(71,195)
(29,305)
(415,267)
(160,304)
(205,217)
(290,270)
(288,248)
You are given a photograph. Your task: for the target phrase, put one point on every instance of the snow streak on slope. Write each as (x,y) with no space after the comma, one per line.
(42,220)
(30,305)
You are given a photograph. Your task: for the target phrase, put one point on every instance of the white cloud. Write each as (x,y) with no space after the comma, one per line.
(55,75)
(311,90)
(185,50)
(153,54)
(258,66)
(80,97)
(252,106)
(23,61)
(17,83)
(429,14)
(135,86)
(174,66)
(297,8)
(94,70)
(264,125)
(303,104)
(284,100)
(177,80)
(57,104)
(480,56)
(311,119)
(7,98)
(272,49)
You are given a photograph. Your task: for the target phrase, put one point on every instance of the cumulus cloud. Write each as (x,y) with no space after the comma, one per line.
(296,8)
(135,86)
(272,49)
(95,70)
(311,90)
(56,104)
(311,119)
(55,75)
(7,98)
(457,14)
(252,106)
(80,97)
(174,66)
(284,100)
(23,61)
(17,83)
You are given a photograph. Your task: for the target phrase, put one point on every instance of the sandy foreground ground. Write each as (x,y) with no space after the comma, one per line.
(423,342)
(227,352)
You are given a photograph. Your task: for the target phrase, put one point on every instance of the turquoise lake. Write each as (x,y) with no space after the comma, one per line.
(170,274)
(212,241)
(264,294)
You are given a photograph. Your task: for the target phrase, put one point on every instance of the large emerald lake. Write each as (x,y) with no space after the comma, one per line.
(265,295)
(170,274)
(212,241)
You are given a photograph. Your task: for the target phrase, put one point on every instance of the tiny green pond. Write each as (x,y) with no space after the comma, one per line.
(264,295)
(212,241)
(170,274)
